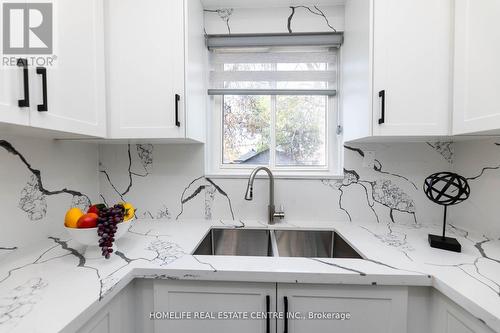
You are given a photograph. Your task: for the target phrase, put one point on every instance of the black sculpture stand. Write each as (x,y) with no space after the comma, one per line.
(443,242)
(446,189)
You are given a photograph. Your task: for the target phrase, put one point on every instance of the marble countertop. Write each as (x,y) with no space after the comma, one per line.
(52,287)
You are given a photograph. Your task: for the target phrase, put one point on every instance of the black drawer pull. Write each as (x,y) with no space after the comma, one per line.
(381,94)
(177,99)
(268,309)
(24,103)
(285,304)
(43,72)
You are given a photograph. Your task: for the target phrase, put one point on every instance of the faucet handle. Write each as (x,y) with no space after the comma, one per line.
(280,214)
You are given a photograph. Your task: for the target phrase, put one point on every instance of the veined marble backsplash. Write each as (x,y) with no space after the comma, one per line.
(39,180)
(479,162)
(300,18)
(176,187)
(168,182)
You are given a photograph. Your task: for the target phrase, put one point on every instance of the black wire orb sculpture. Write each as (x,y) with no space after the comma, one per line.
(446,189)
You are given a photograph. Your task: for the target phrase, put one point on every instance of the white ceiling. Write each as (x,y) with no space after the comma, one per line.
(267,3)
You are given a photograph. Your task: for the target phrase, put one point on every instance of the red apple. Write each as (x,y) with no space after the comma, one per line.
(96,208)
(88,220)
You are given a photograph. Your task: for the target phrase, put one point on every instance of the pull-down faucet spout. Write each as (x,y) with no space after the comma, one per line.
(272,213)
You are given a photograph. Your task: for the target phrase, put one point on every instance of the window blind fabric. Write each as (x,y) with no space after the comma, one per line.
(271,70)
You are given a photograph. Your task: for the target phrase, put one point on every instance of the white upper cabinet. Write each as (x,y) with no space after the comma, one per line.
(477,69)
(60,89)
(397,68)
(74,100)
(155,58)
(13,109)
(412,57)
(14,80)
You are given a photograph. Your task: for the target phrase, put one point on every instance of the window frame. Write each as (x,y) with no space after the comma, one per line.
(215,168)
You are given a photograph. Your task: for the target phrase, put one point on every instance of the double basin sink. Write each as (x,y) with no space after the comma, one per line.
(275,243)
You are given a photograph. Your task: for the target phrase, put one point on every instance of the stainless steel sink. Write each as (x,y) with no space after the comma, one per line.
(313,244)
(278,243)
(236,242)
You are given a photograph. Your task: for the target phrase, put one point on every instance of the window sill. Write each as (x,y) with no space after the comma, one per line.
(277,175)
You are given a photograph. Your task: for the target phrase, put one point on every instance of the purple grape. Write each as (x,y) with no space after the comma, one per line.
(107,222)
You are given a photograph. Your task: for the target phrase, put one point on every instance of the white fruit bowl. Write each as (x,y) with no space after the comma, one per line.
(89,238)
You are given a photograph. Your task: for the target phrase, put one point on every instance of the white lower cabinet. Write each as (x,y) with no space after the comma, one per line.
(145,305)
(204,298)
(448,317)
(118,316)
(373,309)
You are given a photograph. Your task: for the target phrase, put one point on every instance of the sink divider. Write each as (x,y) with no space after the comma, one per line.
(332,245)
(274,243)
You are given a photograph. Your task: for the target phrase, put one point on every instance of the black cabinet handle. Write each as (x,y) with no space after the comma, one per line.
(285,304)
(177,99)
(381,94)
(268,309)
(24,103)
(43,72)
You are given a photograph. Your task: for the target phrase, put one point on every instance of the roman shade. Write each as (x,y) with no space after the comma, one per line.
(273,70)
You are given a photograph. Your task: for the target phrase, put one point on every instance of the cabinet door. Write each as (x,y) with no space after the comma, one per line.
(75,81)
(145,68)
(412,59)
(11,87)
(213,297)
(98,324)
(371,309)
(477,73)
(118,316)
(448,317)
(12,90)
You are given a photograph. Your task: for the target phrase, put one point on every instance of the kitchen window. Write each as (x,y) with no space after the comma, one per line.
(275,107)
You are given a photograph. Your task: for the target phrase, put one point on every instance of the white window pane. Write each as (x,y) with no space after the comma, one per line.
(247,67)
(302,85)
(247,124)
(301,130)
(247,85)
(318,66)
